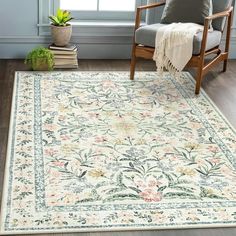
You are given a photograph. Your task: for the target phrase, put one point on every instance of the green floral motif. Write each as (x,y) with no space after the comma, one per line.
(92,151)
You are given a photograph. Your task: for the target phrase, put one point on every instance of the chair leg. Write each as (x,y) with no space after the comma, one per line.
(198,80)
(133,63)
(225,65)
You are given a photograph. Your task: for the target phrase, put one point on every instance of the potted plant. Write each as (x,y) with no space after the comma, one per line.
(60,29)
(40,59)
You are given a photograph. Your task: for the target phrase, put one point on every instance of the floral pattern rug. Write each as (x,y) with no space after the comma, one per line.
(94,151)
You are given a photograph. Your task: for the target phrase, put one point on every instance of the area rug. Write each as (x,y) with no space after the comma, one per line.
(94,151)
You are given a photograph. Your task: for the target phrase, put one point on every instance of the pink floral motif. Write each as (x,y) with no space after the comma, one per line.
(65,137)
(51,152)
(150,195)
(58,163)
(215,160)
(153,183)
(148,189)
(149,182)
(213,149)
(108,84)
(53,174)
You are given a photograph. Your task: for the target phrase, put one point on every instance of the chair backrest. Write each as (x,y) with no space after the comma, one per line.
(218,6)
(154,15)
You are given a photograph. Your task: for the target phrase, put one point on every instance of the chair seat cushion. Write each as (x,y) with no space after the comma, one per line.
(146,36)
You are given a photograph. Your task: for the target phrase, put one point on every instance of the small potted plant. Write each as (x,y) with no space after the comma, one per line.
(60,29)
(40,59)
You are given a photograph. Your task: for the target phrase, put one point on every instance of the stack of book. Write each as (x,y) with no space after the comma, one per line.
(65,57)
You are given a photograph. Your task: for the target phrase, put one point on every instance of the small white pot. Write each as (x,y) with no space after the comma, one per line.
(61,35)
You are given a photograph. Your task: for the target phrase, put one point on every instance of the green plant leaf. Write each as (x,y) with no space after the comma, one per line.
(68,19)
(61,18)
(38,56)
(60,15)
(54,20)
(66,14)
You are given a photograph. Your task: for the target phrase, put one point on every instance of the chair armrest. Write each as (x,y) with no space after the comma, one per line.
(208,19)
(151,5)
(219,14)
(141,8)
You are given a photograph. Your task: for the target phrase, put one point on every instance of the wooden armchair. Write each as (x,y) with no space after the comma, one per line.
(198,60)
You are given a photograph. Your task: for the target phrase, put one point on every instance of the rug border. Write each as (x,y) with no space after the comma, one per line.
(114,229)
(206,96)
(119,229)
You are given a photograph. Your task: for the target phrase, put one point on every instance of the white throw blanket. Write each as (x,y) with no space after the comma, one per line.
(174,46)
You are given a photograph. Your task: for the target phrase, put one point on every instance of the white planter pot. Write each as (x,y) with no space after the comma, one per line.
(61,35)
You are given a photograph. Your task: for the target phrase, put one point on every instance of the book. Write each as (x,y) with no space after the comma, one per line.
(66,62)
(56,52)
(64,56)
(66,67)
(68,47)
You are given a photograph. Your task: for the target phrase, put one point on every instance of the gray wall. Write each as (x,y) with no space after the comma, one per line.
(18,18)
(18,27)
(24,25)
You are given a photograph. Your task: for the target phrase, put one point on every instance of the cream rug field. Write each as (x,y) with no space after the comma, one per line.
(94,151)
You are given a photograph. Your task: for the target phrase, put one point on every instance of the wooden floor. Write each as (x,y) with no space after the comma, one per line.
(221,88)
